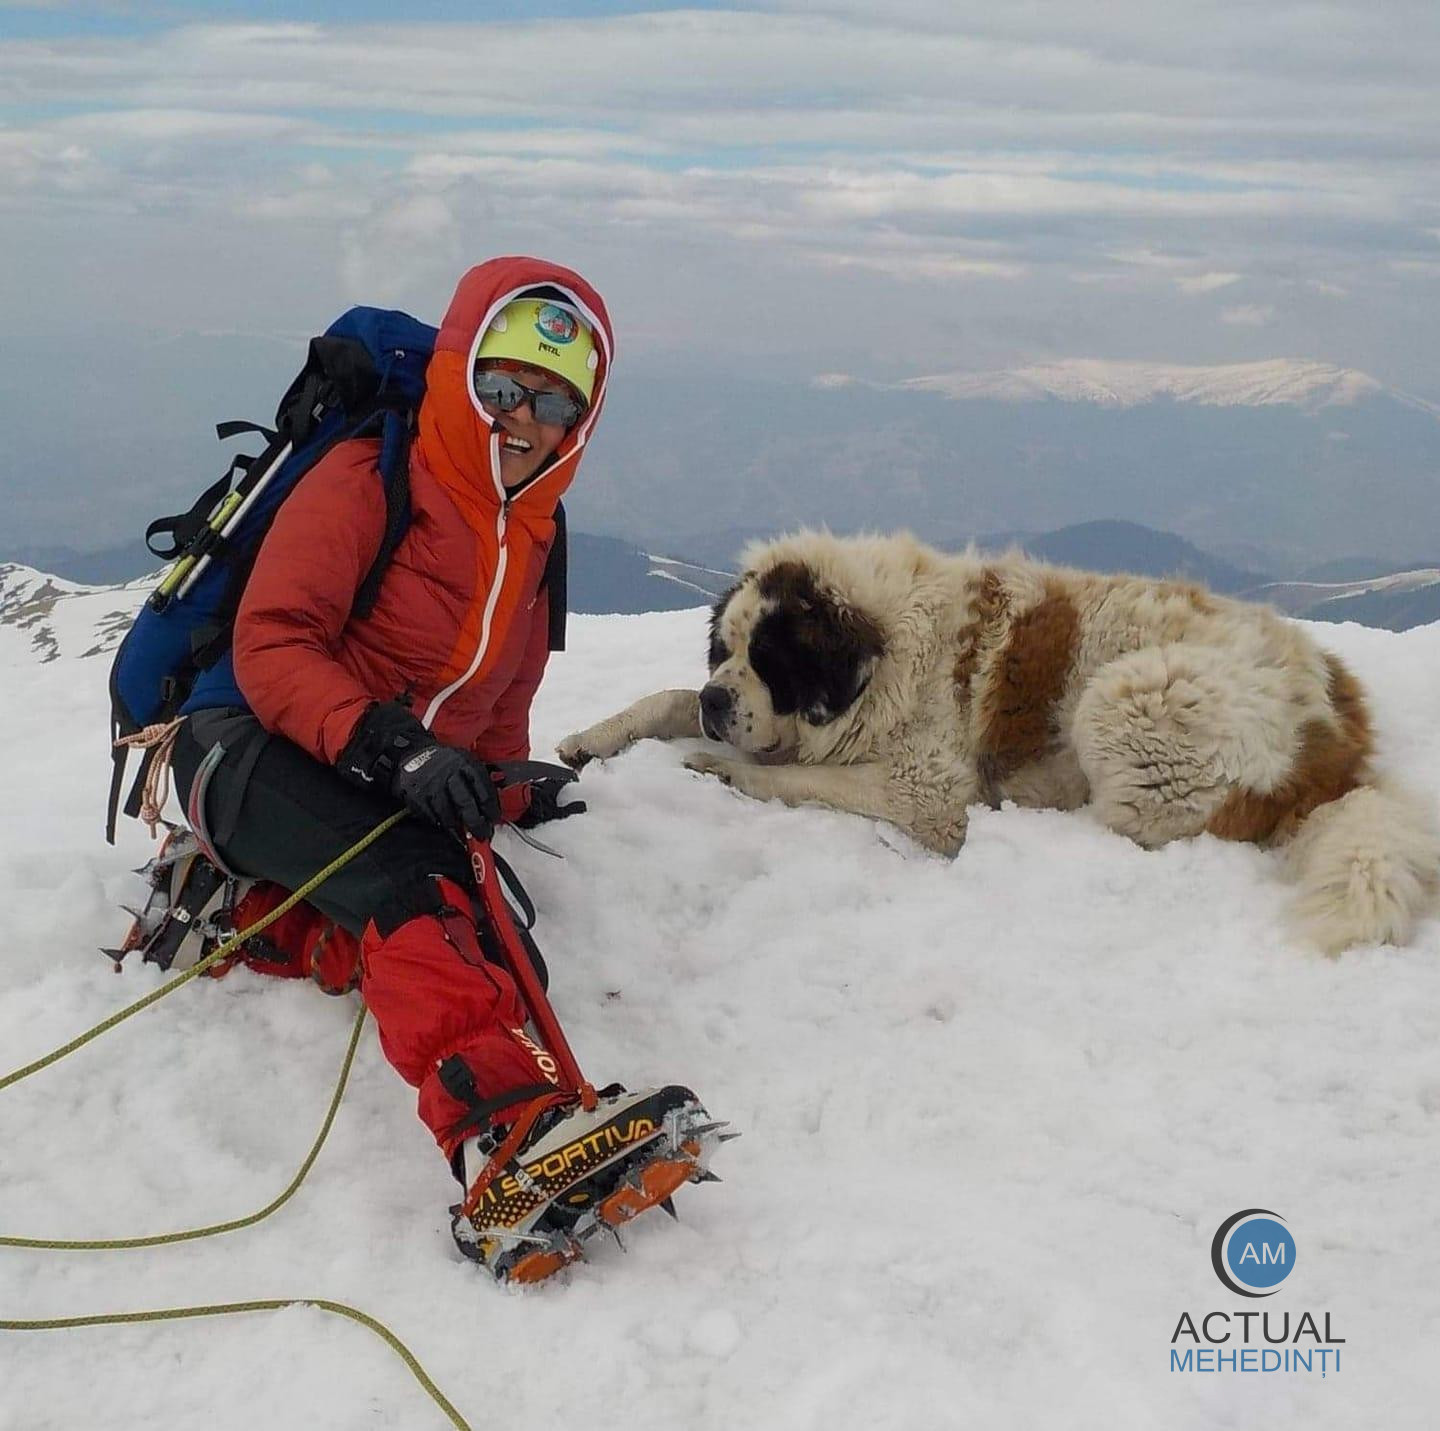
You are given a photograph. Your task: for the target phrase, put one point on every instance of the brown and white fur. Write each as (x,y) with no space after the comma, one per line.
(880,676)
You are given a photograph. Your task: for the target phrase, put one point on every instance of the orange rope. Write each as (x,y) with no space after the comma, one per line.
(161,739)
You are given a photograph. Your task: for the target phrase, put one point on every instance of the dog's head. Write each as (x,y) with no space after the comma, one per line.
(785,652)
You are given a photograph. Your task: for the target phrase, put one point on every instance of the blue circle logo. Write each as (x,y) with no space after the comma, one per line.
(1253,1252)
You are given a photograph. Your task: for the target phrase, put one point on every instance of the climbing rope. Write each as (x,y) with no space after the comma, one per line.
(214,957)
(164,1239)
(165,1314)
(172,1314)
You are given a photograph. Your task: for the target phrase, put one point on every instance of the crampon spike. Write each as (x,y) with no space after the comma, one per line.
(546,1262)
(667,1204)
(652,1186)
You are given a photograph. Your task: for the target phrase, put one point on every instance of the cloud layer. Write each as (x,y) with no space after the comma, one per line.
(938,185)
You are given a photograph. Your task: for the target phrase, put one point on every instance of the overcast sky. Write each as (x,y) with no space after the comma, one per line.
(907,187)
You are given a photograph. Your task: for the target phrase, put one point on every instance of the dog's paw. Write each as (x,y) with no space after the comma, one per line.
(599,742)
(702,763)
(573,752)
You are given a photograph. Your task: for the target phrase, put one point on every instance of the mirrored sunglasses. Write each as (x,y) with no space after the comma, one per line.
(551,409)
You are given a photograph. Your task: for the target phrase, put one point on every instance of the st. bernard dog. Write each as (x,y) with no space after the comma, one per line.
(880,676)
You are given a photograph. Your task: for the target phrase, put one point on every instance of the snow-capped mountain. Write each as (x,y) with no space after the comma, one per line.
(1398,601)
(1295,382)
(47,617)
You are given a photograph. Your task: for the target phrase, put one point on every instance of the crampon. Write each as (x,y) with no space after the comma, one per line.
(581,1172)
(187,912)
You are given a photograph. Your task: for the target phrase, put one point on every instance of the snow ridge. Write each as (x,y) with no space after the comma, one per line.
(43,617)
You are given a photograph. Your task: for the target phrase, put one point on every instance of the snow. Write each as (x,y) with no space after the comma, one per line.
(994,1110)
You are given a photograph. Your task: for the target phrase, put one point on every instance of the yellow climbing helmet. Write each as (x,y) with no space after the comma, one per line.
(544,333)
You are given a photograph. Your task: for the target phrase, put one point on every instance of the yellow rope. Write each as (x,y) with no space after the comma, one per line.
(170,1314)
(227,948)
(164,1239)
(167,1314)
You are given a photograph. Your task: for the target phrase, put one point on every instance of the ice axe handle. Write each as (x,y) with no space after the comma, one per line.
(522,970)
(527,772)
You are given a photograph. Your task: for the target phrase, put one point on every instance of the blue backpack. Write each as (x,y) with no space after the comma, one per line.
(364,376)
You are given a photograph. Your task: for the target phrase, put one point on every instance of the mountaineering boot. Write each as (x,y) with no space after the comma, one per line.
(187,909)
(576,1172)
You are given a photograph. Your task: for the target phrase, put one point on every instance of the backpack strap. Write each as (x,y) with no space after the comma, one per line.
(394,468)
(555,580)
(226,430)
(118,757)
(183,527)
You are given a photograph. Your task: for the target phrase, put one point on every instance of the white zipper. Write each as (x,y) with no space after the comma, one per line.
(502,560)
(582,433)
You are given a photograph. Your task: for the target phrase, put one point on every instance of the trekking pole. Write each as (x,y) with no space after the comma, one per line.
(522,970)
(227,516)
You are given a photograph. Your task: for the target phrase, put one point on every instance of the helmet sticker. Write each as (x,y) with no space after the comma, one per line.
(556,324)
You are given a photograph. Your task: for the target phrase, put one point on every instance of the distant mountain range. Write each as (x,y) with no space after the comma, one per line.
(1296,383)
(606,575)
(1272,466)
(1127,546)
(50,616)
(1358,589)
(1396,601)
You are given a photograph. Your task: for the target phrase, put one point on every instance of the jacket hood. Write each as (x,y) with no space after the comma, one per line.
(457,439)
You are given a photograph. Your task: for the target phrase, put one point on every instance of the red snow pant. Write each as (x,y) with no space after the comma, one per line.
(451,1022)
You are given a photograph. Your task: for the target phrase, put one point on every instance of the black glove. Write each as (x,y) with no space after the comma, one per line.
(393,751)
(545,803)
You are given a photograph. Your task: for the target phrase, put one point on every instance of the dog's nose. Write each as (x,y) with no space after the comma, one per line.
(716,703)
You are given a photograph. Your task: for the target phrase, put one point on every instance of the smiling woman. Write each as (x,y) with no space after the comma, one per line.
(421,704)
(534,374)
(515,399)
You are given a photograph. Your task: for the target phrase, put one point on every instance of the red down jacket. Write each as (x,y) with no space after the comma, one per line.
(457,627)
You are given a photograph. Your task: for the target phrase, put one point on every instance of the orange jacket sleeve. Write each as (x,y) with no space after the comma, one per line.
(298,599)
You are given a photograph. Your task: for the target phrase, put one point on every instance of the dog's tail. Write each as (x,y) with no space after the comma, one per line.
(1367,866)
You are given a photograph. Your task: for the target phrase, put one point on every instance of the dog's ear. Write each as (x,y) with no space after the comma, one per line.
(848,646)
(719,651)
(827,648)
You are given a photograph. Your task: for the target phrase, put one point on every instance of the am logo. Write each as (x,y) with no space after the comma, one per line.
(1253,1252)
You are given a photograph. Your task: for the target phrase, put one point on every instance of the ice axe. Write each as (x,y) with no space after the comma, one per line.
(516,957)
